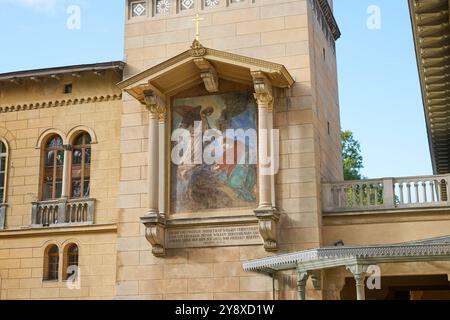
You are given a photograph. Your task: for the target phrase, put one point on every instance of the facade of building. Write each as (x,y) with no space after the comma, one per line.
(95,206)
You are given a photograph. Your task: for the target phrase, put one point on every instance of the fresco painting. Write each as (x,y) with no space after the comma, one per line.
(201,187)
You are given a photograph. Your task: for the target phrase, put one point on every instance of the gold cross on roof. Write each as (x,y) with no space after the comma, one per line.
(197,20)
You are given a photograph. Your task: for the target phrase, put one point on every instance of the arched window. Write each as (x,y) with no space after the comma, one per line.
(3,164)
(70,260)
(80,185)
(51,264)
(53,168)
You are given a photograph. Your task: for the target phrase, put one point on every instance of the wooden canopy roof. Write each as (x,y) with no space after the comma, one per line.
(430,21)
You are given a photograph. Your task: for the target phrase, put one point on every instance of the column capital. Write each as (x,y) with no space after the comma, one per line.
(261,83)
(154,103)
(263,90)
(359,272)
(357,269)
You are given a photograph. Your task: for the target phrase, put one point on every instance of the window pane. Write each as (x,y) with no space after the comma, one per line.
(59,173)
(76,172)
(3,164)
(74,249)
(53,267)
(76,188)
(58,189)
(79,140)
(59,142)
(50,158)
(47,192)
(2,147)
(48,175)
(87,155)
(87,188)
(60,158)
(51,143)
(77,156)
(88,139)
(1,194)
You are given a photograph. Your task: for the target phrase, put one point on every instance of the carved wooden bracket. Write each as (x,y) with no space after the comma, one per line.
(155,230)
(268,227)
(208,75)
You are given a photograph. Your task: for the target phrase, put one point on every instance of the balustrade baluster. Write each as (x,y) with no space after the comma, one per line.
(433,198)
(424,192)
(416,191)
(376,200)
(402,197)
(438,191)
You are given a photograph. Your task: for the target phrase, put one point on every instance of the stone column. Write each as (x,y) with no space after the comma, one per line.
(154,221)
(162,161)
(153,154)
(359,272)
(271,151)
(264,101)
(301,284)
(153,161)
(266,213)
(66,171)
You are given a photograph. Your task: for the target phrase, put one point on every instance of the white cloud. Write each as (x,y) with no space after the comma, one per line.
(40,5)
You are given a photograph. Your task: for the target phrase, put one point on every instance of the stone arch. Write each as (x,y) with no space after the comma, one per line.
(8,138)
(47,133)
(65,255)
(76,130)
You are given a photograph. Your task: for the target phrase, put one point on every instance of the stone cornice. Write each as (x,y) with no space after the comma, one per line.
(59,103)
(58,71)
(32,232)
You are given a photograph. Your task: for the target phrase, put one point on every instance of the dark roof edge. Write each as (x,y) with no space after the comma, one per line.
(329,16)
(64,69)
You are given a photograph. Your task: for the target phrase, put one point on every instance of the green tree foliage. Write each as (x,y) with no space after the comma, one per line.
(351,156)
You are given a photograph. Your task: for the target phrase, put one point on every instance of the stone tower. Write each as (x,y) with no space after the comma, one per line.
(285,47)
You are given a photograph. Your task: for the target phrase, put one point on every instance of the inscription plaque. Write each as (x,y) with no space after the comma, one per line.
(212,237)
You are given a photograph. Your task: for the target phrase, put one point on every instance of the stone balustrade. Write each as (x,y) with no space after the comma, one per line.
(386,194)
(62,212)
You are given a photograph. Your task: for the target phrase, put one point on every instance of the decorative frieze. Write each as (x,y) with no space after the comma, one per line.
(59,103)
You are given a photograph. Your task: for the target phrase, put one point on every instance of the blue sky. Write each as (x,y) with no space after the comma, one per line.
(379,88)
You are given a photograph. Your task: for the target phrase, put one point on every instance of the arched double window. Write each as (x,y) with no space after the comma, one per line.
(73,181)
(71,253)
(70,262)
(3,167)
(80,172)
(51,263)
(53,168)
